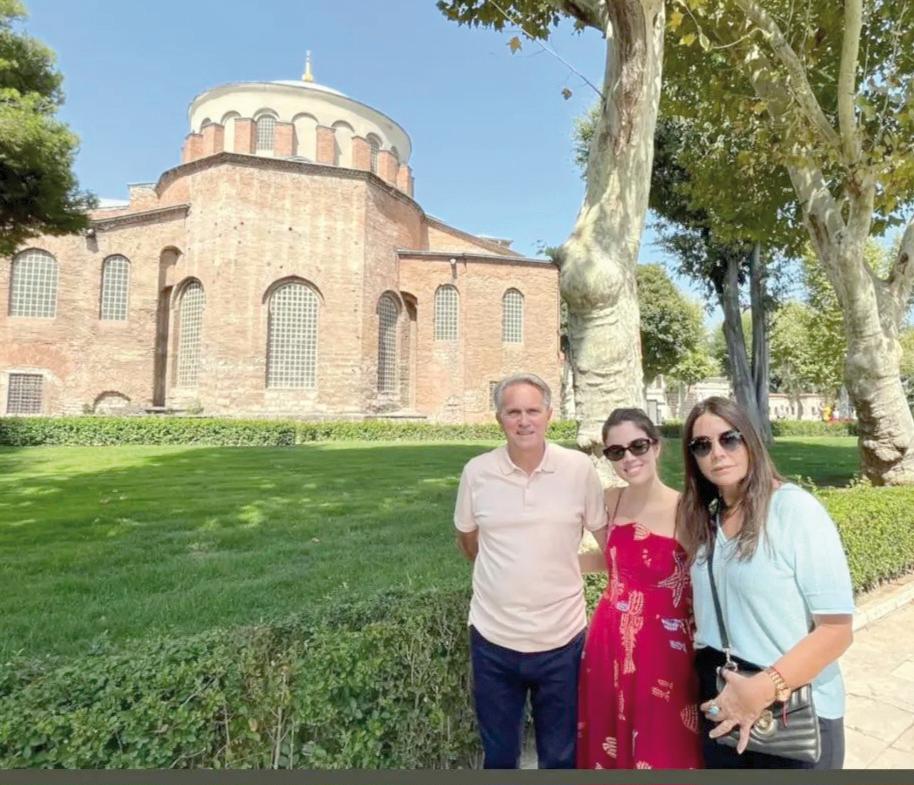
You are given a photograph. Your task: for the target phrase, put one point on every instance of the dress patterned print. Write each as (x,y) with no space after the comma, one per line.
(638,693)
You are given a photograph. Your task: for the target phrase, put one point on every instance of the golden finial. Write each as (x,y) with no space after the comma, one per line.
(307,76)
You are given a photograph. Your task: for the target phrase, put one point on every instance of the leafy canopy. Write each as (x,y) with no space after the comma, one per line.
(38,190)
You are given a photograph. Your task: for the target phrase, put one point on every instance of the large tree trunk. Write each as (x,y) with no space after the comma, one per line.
(740,372)
(760,357)
(598,260)
(872,369)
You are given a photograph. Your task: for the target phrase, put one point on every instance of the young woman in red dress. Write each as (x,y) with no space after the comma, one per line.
(638,695)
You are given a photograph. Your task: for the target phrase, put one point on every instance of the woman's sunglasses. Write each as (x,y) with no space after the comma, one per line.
(730,440)
(616,452)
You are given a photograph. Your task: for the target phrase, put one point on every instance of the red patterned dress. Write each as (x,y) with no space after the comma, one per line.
(638,700)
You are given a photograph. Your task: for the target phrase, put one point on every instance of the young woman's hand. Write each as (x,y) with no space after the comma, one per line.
(740,703)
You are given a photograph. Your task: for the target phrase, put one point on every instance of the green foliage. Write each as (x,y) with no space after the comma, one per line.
(225,432)
(39,191)
(711,85)
(671,325)
(378,683)
(672,429)
(877,528)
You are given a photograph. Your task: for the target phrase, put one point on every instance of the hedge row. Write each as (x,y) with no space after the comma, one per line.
(375,683)
(672,429)
(225,432)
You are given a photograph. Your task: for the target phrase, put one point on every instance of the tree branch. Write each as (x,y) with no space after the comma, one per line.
(585,11)
(798,82)
(901,276)
(847,81)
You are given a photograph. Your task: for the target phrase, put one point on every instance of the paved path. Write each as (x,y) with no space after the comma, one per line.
(879,676)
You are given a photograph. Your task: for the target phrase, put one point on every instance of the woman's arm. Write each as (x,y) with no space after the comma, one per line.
(745,697)
(594,560)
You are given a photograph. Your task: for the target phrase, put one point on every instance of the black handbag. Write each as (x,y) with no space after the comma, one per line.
(786,729)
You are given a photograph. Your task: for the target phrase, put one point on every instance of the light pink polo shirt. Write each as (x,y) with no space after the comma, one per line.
(527,589)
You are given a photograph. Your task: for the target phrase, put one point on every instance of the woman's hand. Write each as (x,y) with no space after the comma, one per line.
(740,703)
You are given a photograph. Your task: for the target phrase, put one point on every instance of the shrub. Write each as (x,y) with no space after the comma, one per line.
(226,432)
(814,428)
(373,684)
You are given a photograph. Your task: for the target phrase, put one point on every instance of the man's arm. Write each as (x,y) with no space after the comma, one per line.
(468,542)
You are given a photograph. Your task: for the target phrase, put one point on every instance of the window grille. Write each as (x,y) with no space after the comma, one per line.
(493,386)
(33,285)
(190,327)
(387,344)
(446,304)
(24,395)
(374,147)
(512,317)
(292,337)
(115,283)
(266,131)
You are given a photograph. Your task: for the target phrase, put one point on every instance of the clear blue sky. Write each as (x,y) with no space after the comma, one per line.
(491,131)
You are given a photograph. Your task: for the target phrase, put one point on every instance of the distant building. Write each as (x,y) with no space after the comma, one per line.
(283,268)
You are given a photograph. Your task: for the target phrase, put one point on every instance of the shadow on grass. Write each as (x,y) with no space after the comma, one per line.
(118,543)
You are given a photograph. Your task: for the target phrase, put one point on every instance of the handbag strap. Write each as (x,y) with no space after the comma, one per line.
(724,638)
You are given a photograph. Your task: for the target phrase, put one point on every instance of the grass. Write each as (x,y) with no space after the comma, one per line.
(119,543)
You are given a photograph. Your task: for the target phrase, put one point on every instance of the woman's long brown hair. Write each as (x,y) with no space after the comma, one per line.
(694,515)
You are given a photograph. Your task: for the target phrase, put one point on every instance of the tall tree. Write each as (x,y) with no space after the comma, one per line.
(38,191)
(824,92)
(598,260)
(671,325)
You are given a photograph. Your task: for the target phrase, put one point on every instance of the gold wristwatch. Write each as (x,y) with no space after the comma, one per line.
(781,690)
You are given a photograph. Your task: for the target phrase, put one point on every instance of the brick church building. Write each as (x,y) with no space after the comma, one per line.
(282,269)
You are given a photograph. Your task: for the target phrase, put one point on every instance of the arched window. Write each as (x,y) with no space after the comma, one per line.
(512,317)
(266,132)
(388,311)
(292,336)
(115,284)
(190,327)
(228,123)
(446,306)
(33,284)
(374,147)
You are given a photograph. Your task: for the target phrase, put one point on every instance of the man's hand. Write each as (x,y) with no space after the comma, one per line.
(468,542)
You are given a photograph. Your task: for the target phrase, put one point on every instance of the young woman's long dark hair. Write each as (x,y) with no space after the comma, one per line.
(636,417)
(694,516)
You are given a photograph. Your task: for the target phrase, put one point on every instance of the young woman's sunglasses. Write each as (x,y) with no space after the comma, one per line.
(616,452)
(729,440)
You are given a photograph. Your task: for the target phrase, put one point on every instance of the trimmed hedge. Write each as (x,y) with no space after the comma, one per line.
(372,684)
(672,429)
(225,432)
(378,682)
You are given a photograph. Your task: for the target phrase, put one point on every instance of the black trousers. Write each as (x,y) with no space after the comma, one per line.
(717,756)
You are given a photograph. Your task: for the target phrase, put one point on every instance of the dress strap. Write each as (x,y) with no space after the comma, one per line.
(612,518)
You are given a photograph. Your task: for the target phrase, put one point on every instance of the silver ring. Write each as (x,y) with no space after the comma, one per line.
(713,709)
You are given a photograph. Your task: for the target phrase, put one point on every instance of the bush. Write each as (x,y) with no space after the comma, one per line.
(877,528)
(814,428)
(672,429)
(226,432)
(373,684)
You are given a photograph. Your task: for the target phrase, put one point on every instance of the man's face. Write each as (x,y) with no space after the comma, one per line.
(524,417)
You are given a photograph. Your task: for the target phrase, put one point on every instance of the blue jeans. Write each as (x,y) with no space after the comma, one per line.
(502,679)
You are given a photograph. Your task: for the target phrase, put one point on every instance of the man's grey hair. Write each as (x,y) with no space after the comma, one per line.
(522,378)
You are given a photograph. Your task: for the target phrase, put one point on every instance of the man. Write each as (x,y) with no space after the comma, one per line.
(520,514)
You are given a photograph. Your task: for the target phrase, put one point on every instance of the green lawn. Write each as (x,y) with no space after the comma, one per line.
(116,543)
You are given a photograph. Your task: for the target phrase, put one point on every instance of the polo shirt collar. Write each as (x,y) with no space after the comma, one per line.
(547,465)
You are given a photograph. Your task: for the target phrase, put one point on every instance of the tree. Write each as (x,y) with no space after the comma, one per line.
(671,325)
(38,191)
(790,84)
(907,364)
(598,261)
